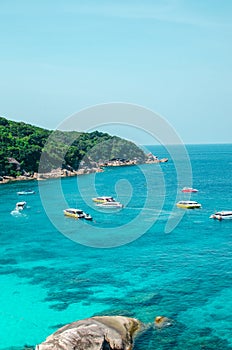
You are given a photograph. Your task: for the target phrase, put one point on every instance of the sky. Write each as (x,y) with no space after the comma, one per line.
(173,57)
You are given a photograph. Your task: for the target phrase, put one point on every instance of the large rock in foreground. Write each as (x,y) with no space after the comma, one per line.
(95,333)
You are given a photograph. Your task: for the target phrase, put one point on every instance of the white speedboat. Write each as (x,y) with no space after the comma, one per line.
(25,192)
(110,205)
(188,205)
(20,206)
(221,215)
(189,190)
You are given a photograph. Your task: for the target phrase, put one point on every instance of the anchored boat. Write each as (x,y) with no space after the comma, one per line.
(103,199)
(26,192)
(20,206)
(77,214)
(222,215)
(189,190)
(188,205)
(107,202)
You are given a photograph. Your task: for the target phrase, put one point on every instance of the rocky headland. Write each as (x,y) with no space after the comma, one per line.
(95,333)
(102,333)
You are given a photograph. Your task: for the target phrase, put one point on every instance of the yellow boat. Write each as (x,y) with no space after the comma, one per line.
(188,205)
(77,214)
(73,213)
(103,199)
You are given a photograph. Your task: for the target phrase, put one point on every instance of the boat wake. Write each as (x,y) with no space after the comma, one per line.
(17,213)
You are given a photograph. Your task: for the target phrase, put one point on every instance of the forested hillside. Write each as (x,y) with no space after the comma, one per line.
(21,146)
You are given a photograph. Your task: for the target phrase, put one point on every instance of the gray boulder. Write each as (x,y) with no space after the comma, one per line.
(95,333)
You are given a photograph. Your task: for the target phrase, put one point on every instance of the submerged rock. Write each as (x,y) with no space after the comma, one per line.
(95,333)
(162,321)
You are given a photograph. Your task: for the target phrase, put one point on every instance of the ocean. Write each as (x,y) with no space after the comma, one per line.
(55,270)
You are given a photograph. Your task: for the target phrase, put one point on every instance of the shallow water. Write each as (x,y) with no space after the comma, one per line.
(49,280)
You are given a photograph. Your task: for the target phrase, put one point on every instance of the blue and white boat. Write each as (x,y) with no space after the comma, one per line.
(26,192)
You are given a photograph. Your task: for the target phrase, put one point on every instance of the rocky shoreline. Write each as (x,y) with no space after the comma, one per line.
(96,168)
(100,333)
(95,333)
(54,174)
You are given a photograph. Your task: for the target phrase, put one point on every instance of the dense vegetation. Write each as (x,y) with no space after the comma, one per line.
(21,146)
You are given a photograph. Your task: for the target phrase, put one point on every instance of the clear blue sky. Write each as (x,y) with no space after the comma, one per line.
(174,57)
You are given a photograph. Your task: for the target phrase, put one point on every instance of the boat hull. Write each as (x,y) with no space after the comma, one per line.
(106,206)
(25,193)
(188,206)
(75,216)
(103,200)
(184,205)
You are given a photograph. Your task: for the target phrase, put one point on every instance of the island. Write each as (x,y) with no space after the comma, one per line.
(29,152)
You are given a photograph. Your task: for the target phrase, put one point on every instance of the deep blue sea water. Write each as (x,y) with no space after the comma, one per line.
(48,279)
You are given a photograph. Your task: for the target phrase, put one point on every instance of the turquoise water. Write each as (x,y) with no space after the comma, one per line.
(48,280)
